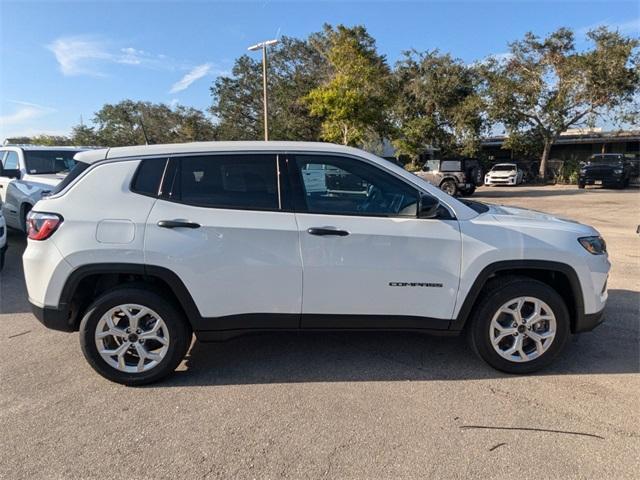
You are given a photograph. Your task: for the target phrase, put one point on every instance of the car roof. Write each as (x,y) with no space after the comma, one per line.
(44,147)
(92,156)
(506,165)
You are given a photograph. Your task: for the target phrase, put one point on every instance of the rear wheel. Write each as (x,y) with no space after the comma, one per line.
(133,336)
(581,185)
(467,192)
(449,187)
(519,326)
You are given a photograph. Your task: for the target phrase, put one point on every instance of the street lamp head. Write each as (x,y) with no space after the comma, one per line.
(261,45)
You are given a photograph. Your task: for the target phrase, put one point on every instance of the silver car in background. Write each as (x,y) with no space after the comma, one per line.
(27,173)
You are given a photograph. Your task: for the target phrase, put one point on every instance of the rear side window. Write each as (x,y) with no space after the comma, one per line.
(148,176)
(75,173)
(248,182)
(450,166)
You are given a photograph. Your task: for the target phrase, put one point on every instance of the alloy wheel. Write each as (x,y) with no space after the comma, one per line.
(132,338)
(522,329)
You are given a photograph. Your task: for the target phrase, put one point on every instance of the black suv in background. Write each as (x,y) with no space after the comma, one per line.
(453,175)
(607,169)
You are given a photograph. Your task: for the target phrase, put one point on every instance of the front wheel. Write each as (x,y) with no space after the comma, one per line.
(134,336)
(519,326)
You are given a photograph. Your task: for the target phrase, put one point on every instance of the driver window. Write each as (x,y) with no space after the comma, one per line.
(345,186)
(11,161)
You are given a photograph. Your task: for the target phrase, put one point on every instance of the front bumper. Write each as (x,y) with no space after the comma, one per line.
(500,181)
(53,318)
(588,322)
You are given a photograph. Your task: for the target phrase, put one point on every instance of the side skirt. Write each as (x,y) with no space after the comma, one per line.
(223,328)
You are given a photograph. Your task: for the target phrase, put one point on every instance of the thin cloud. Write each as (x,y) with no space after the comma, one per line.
(87,55)
(76,55)
(25,112)
(194,74)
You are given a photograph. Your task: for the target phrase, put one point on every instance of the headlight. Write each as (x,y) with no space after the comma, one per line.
(583,171)
(594,245)
(617,171)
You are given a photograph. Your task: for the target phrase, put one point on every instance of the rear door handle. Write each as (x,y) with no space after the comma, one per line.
(177,224)
(322,231)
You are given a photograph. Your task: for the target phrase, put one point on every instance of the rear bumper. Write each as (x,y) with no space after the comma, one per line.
(53,318)
(588,322)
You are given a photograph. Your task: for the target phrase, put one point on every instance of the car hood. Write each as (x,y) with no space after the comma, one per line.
(46,179)
(502,173)
(525,217)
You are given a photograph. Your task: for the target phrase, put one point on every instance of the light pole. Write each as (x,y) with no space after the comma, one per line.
(253,48)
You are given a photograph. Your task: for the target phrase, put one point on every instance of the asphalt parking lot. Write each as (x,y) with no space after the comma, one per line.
(371,406)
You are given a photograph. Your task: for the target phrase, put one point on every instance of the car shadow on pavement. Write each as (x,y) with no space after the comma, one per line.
(13,292)
(521,192)
(346,357)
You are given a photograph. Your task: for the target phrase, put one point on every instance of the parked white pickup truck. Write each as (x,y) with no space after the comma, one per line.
(28,172)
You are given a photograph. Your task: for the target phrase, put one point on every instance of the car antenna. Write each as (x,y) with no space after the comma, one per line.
(144,131)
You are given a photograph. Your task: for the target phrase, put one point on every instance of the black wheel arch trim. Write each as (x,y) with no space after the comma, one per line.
(578,323)
(172,280)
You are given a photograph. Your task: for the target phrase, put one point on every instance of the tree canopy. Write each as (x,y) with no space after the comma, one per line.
(437,104)
(547,86)
(352,101)
(295,68)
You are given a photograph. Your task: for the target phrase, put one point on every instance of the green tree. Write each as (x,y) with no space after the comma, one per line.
(353,101)
(135,123)
(546,86)
(437,105)
(294,69)
(48,140)
(84,135)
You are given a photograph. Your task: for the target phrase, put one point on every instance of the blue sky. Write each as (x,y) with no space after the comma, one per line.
(60,60)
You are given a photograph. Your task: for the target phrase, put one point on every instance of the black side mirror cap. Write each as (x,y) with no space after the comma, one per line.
(425,168)
(428,206)
(11,173)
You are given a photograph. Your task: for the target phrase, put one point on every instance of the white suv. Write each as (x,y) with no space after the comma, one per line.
(141,246)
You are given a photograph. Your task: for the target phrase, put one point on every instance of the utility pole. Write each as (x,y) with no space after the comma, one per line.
(263,46)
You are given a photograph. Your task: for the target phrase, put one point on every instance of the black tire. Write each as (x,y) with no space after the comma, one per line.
(496,294)
(449,187)
(581,185)
(467,192)
(179,331)
(23,217)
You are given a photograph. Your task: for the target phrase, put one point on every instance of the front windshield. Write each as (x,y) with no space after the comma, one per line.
(49,161)
(503,168)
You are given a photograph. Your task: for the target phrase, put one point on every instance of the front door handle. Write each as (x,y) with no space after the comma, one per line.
(322,231)
(177,224)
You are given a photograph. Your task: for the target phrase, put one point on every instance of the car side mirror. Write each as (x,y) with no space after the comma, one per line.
(427,206)
(10,173)
(425,168)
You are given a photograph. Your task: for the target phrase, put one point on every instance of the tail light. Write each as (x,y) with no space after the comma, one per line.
(41,226)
